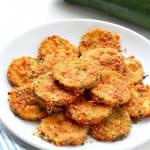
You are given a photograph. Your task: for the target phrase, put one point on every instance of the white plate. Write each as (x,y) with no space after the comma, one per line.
(27,45)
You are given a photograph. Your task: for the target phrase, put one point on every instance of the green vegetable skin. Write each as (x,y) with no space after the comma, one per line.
(135,11)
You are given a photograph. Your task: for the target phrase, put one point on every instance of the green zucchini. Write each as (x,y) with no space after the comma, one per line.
(135,11)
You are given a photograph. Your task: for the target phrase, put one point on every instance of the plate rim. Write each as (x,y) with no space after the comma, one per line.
(2,118)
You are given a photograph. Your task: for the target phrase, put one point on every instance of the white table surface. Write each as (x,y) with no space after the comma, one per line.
(17,16)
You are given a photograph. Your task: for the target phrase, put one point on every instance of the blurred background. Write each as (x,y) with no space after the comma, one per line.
(17,16)
(20,15)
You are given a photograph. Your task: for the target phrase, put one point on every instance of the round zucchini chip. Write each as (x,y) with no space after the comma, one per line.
(139,104)
(53,44)
(61,131)
(112,89)
(87,112)
(24,70)
(96,38)
(23,103)
(114,127)
(51,93)
(76,74)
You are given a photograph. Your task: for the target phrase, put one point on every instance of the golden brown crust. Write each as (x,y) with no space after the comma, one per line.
(54,44)
(106,57)
(96,38)
(58,130)
(50,93)
(24,103)
(23,70)
(90,87)
(134,70)
(115,127)
(77,74)
(139,105)
(87,112)
(111,90)
(51,59)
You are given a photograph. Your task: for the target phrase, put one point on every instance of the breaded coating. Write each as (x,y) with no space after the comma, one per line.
(23,103)
(51,59)
(112,95)
(59,130)
(106,57)
(23,70)
(139,105)
(87,112)
(76,74)
(74,91)
(50,93)
(54,44)
(96,38)
(112,89)
(134,70)
(113,77)
(52,109)
(114,127)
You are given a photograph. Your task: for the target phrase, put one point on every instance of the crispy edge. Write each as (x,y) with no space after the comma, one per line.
(52,44)
(23,70)
(139,104)
(78,84)
(87,112)
(115,127)
(45,88)
(112,89)
(23,103)
(95,38)
(60,131)
(134,70)
(107,58)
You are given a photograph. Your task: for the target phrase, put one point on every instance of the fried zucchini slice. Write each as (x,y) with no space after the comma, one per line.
(112,89)
(51,59)
(54,44)
(76,74)
(139,105)
(23,103)
(51,93)
(61,131)
(96,38)
(23,70)
(107,57)
(112,128)
(134,70)
(87,112)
